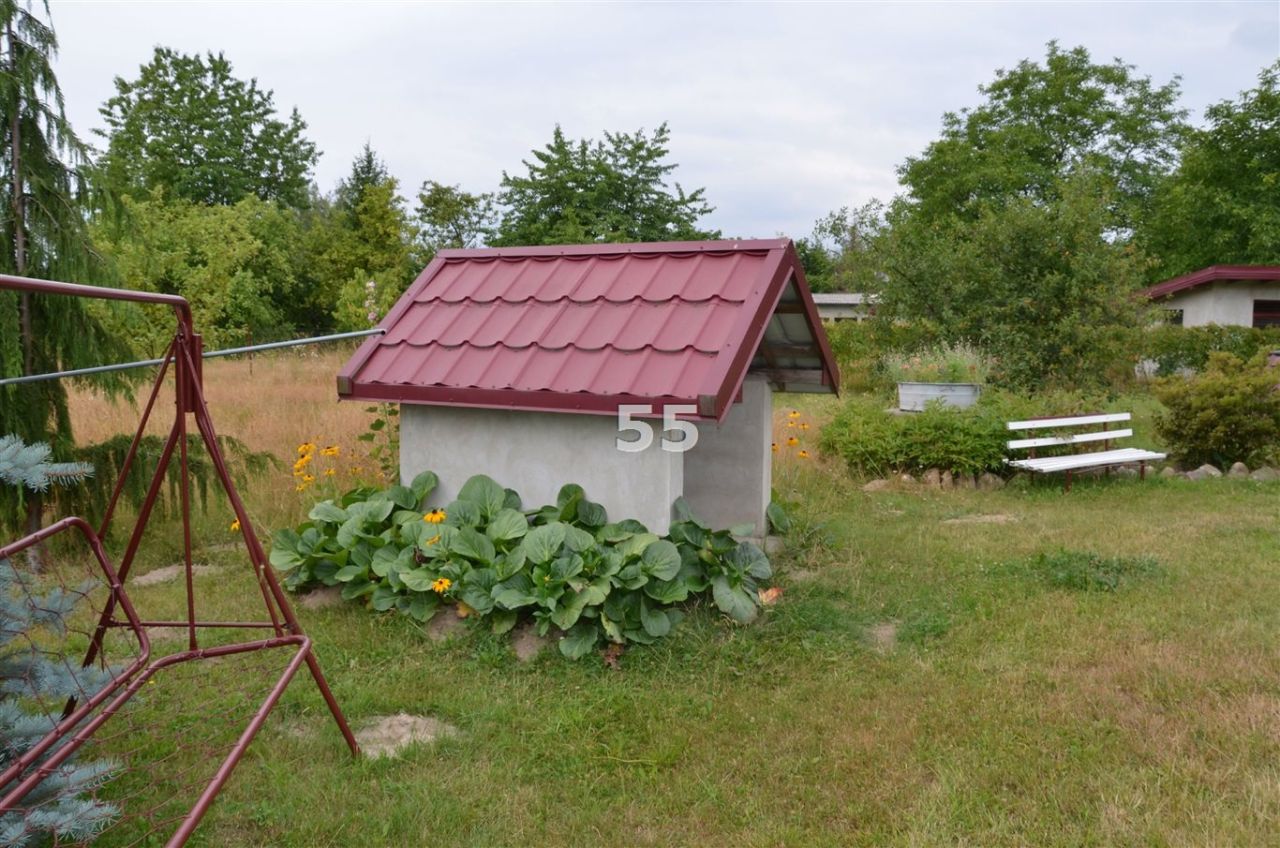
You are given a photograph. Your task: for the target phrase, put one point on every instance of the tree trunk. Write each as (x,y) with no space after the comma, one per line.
(35,503)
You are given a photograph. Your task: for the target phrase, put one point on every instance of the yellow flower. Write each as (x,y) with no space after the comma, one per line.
(791,423)
(793,414)
(302,462)
(441,585)
(355,470)
(804,454)
(235,525)
(308,478)
(329,472)
(301,487)
(804,426)
(331,450)
(433,539)
(306,448)
(435,516)
(774,446)
(792,442)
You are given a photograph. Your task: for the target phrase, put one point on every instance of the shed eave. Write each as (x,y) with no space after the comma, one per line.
(582,403)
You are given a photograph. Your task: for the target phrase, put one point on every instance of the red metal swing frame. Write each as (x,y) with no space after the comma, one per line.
(79,721)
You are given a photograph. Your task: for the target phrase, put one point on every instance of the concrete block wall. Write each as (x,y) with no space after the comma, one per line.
(728,473)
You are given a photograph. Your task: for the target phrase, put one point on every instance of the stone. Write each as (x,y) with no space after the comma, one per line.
(322,598)
(907,479)
(1238,469)
(1169,471)
(965,481)
(932,478)
(1126,471)
(989,482)
(1265,474)
(444,625)
(1204,472)
(945,481)
(526,642)
(876,486)
(389,735)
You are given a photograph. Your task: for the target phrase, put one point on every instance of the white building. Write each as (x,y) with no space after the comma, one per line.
(1240,295)
(642,372)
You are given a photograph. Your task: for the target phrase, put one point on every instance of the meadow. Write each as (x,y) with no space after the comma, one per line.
(1017,667)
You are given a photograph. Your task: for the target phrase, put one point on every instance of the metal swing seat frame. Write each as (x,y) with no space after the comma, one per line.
(84,717)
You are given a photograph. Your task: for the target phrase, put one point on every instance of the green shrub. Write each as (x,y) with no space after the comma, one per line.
(564,564)
(860,347)
(874,441)
(1229,412)
(1173,348)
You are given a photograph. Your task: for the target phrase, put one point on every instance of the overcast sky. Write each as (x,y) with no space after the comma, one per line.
(782,112)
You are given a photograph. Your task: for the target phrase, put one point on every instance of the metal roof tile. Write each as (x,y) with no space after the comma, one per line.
(582,328)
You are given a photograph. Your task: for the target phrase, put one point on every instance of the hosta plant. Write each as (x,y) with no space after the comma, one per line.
(564,565)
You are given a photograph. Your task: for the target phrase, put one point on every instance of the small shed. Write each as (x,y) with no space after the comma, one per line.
(1238,295)
(528,365)
(845,306)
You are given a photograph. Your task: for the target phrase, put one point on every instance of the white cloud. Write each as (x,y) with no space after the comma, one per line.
(782,111)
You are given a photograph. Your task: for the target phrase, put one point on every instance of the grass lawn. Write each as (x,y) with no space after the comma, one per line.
(923,681)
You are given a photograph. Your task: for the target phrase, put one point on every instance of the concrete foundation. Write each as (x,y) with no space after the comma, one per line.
(728,473)
(536,453)
(725,476)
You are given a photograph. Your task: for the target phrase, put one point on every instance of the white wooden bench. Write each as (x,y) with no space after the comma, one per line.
(1076,461)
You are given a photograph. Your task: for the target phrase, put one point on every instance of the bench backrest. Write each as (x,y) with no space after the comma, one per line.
(1103,435)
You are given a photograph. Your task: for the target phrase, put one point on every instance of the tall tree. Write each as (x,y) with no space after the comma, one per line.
(367,170)
(42,234)
(599,191)
(1222,205)
(1041,122)
(447,216)
(189,126)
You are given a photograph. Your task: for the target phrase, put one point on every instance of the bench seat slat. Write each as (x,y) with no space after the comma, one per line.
(1050,441)
(1070,421)
(1097,459)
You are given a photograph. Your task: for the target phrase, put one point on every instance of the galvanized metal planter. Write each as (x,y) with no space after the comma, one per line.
(912,397)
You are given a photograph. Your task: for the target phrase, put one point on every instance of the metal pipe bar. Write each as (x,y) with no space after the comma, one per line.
(145,363)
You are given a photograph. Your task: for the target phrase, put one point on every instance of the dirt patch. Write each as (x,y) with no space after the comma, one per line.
(527,643)
(993,518)
(167,634)
(169,573)
(389,735)
(883,636)
(325,598)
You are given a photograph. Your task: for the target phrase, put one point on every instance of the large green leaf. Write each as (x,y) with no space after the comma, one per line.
(778,518)
(328,511)
(423,485)
(508,524)
(485,493)
(284,553)
(749,559)
(733,601)
(541,543)
(418,580)
(384,598)
(514,592)
(577,539)
(667,591)
(579,641)
(510,563)
(503,620)
(635,546)
(654,621)
(403,497)
(473,545)
(661,560)
(462,513)
(476,587)
(592,514)
(681,511)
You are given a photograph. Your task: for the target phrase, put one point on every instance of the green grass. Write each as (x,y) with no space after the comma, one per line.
(919,683)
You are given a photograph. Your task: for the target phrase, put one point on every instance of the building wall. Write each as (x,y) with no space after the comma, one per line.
(1227,303)
(727,474)
(536,453)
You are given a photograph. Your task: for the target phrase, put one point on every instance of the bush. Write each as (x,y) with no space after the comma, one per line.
(1230,412)
(1173,348)
(860,347)
(875,442)
(564,564)
(958,363)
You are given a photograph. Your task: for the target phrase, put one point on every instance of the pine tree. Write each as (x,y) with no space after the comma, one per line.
(43,189)
(58,807)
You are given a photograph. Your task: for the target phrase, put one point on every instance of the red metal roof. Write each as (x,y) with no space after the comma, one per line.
(586,328)
(1213,274)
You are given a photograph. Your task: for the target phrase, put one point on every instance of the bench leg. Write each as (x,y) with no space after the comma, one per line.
(1067,486)
(1142,471)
